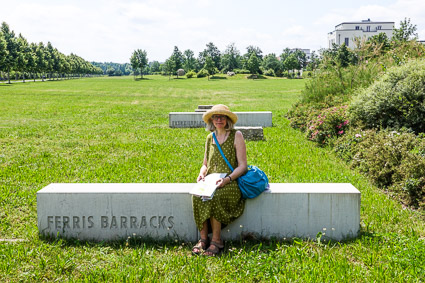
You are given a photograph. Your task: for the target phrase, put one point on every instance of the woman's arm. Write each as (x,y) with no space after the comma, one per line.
(240,147)
(204,168)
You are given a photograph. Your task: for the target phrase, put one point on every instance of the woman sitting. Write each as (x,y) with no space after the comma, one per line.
(227,203)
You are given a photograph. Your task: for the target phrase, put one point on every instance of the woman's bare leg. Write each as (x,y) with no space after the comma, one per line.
(216,227)
(204,231)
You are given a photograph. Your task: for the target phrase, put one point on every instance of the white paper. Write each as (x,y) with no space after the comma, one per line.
(206,188)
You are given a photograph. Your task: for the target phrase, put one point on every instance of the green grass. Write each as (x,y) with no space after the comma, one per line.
(116,130)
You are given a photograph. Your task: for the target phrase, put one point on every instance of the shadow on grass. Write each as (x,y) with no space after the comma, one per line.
(257,77)
(247,243)
(142,79)
(217,78)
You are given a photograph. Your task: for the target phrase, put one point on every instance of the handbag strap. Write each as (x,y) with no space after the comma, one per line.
(221,151)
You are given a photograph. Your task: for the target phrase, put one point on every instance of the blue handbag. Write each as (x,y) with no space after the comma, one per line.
(253,182)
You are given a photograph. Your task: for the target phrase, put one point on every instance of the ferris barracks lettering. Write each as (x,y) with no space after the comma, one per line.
(110,222)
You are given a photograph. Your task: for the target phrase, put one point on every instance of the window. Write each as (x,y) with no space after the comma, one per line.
(379,27)
(357,27)
(347,40)
(368,28)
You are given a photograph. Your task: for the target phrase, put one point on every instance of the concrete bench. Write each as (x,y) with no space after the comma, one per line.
(194,119)
(251,133)
(105,212)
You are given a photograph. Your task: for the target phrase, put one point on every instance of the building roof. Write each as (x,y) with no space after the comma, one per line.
(368,21)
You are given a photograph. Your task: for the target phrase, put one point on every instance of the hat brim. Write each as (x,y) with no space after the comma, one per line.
(207,115)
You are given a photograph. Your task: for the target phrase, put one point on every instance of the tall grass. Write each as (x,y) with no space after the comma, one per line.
(116,130)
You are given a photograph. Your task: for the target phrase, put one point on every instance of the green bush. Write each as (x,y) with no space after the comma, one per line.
(190,74)
(269,73)
(396,100)
(241,71)
(393,160)
(329,124)
(202,73)
(307,74)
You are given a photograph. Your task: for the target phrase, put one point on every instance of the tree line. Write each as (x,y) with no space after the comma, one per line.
(211,61)
(23,60)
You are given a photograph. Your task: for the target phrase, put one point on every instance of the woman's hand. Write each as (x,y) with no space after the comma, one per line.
(201,177)
(222,182)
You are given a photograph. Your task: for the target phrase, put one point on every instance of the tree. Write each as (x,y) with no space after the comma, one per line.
(190,63)
(314,62)
(3,50)
(23,55)
(290,63)
(50,58)
(10,61)
(177,58)
(301,58)
(155,67)
(230,60)
(169,67)
(209,66)
(32,60)
(252,50)
(110,71)
(270,61)
(253,64)
(40,61)
(211,51)
(139,60)
(406,32)
(256,50)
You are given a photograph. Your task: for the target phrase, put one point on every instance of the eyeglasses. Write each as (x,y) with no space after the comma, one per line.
(219,117)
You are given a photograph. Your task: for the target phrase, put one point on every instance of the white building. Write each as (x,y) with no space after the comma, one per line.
(346,32)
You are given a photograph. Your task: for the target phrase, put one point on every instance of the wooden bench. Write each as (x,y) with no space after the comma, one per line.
(106,212)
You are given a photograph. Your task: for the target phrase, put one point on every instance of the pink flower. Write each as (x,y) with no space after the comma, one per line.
(358,135)
(346,122)
(340,132)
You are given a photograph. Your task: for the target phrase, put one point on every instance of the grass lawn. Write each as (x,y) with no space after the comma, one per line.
(116,130)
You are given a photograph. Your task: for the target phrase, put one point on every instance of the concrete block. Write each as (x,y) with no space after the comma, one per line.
(251,133)
(300,210)
(245,119)
(205,107)
(105,212)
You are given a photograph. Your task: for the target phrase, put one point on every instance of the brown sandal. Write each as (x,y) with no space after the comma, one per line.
(214,249)
(200,246)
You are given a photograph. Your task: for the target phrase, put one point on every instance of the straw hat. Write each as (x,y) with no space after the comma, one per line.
(220,109)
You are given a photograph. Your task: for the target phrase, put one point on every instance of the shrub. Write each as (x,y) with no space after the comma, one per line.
(241,71)
(379,154)
(391,159)
(330,123)
(307,74)
(190,74)
(270,73)
(394,101)
(202,74)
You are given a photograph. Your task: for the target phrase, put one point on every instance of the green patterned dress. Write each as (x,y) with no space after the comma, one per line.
(227,203)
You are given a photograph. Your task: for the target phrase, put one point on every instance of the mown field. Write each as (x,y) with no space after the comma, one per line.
(116,130)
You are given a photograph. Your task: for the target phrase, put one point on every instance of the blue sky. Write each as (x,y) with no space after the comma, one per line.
(106,31)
